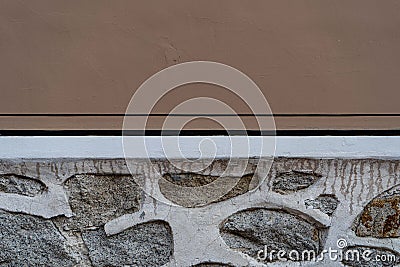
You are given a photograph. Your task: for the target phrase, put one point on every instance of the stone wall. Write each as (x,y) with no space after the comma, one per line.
(85,212)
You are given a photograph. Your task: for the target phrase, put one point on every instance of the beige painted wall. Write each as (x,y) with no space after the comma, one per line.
(307,56)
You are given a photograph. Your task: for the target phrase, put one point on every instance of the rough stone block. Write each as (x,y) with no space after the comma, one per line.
(242,185)
(289,182)
(96,199)
(325,203)
(251,230)
(27,240)
(144,245)
(381,217)
(21,185)
(211,264)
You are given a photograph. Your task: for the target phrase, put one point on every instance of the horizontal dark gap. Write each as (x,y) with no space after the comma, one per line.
(205,114)
(200,133)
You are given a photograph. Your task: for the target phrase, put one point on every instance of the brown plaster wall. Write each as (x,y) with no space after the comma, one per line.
(307,56)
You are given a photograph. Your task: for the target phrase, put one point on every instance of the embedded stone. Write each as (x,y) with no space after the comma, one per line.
(255,230)
(21,185)
(325,203)
(212,264)
(289,182)
(27,240)
(96,199)
(149,244)
(243,185)
(381,217)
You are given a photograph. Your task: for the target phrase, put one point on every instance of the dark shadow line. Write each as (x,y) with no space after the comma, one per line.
(200,133)
(200,114)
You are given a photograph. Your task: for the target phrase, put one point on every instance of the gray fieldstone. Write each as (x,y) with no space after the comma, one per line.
(96,199)
(381,217)
(292,181)
(211,264)
(242,186)
(27,240)
(362,256)
(21,185)
(103,197)
(148,244)
(250,231)
(325,203)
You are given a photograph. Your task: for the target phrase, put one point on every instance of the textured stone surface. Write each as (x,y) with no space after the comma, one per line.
(211,264)
(373,257)
(104,198)
(96,199)
(289,182)
(189,179)
(325,203)
(242,185)
(18,184)
(249,231)
(26,240)
(381,217)
(149,244)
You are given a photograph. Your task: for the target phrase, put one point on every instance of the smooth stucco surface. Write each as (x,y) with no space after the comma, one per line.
(306,56)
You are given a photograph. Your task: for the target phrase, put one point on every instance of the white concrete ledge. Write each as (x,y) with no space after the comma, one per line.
(286,146)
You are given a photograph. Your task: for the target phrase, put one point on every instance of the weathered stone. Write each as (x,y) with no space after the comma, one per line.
(149,244)
(289,182)
(189,179)
(242,185)
(325,203)
(251,230)
(212,264)
(381,217)
(17,184)
(96,199)
(26,240)
(196,238)
(362,256)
